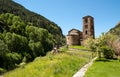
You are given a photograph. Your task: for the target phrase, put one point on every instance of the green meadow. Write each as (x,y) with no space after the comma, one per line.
(64,64)
(104,68)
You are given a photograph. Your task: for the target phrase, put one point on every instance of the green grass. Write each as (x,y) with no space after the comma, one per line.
(78,47)
(64,64)
(104,68)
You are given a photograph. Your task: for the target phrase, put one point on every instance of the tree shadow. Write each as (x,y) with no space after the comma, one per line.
(115,59)
(105,60)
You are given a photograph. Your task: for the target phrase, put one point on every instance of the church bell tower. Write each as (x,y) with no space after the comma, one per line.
(88,27)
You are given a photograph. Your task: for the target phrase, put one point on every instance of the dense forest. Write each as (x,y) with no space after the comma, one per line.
(9,6)
(24,35)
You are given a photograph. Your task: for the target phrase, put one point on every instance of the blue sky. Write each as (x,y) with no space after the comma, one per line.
(68,13)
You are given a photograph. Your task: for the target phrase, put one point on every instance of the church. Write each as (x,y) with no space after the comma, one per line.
(76,37)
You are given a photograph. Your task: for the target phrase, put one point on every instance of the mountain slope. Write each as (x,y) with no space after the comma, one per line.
(9,6)
(113,36)
(115,30)
(24,35)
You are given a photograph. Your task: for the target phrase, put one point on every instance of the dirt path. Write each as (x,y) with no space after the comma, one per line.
(1,76)
(82,71)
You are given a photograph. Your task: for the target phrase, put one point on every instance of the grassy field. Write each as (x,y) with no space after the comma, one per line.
(104,68)
(64,64)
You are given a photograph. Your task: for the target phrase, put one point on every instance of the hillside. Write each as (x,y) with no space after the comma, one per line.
(115,30)
(113,38)
(64,64)
(9,6)
(24,35)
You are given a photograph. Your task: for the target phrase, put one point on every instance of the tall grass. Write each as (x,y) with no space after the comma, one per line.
(104,68)
(64,64)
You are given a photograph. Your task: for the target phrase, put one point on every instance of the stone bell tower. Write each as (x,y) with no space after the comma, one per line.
(88,27)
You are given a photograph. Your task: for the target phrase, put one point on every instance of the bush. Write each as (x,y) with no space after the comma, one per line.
(63,49)
(2,71)
(107,52)
(36,49)
(11,59)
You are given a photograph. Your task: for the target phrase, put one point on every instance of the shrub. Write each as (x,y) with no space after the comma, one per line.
(11,59)
(2,70)
(107,52)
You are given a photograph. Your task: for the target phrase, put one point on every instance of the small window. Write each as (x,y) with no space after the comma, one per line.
(85,32)
(86,26)
(92,27)
(86,20)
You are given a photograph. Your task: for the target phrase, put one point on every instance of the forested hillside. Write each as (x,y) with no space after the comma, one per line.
(9,6)
(21,41)
(24,35)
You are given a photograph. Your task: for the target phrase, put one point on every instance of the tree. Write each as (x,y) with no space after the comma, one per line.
(3,48)
(3,51)
(103,47)
(40,35)
(91,44)
(36,34)
(18,27)
(11,59)
(107,52)
(116,46)
(15,42)
(36,48)
(21,41)
(99,43)
(100,46)
(28,16)
(110,39)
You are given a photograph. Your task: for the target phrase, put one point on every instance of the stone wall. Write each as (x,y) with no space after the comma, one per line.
(73,40)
